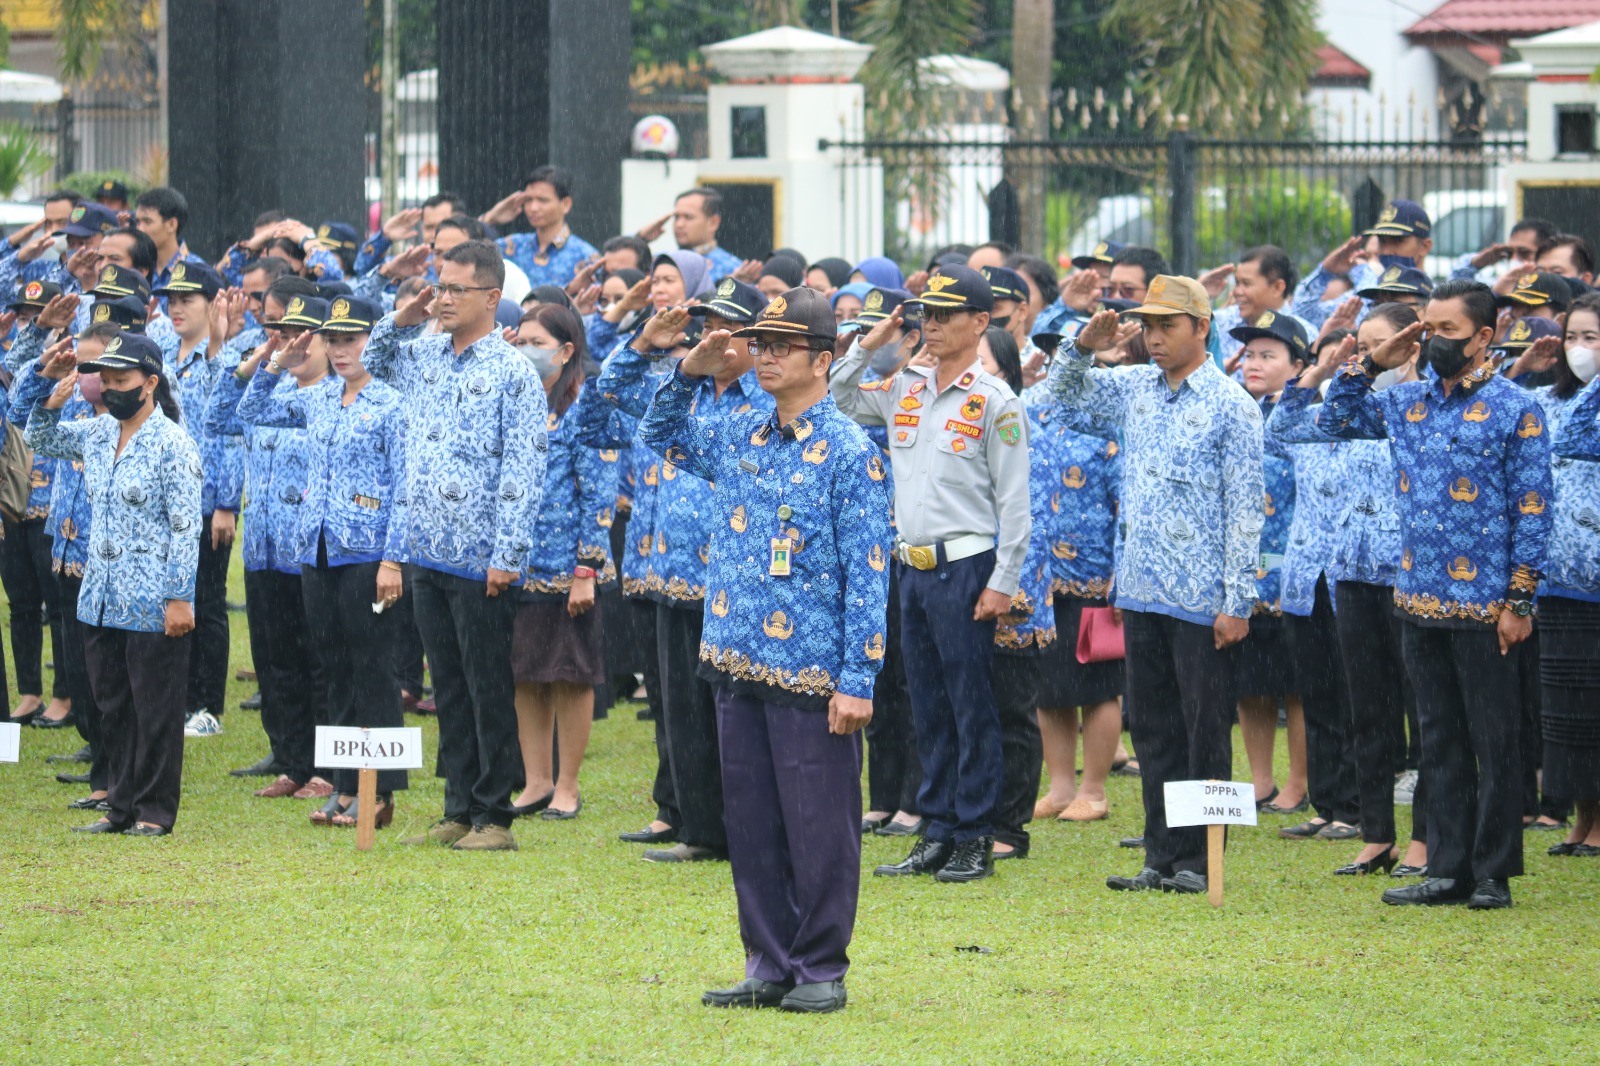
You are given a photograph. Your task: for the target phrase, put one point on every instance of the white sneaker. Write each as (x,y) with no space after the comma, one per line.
(1405,787)
(202,724)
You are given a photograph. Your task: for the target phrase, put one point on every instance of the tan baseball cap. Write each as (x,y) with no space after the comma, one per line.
(1170,295)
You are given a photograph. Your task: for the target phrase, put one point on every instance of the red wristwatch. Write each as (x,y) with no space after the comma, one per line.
(583,571)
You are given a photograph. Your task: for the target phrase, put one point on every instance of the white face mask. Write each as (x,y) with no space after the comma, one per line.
(1583,363)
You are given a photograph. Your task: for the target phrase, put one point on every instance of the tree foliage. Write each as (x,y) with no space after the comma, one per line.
(1225,64)
(84,28)
(22,157)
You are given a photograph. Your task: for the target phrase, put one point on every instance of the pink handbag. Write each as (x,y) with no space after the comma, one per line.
(1099,636)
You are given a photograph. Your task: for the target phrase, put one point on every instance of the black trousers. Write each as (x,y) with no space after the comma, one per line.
(467,636)
(1467,696)
(689,712)
(293,685)
(1319,676)
(1021,749)
(406,646)
(208,663)
(75,668)
(33,594)
(666,800)
(1380,697)
(1531,699)
(354,647)
(1183,690)
(139,681)
(894,772)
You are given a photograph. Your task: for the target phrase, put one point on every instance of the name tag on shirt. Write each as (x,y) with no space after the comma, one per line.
(748,467)
(368,502)
(779,564)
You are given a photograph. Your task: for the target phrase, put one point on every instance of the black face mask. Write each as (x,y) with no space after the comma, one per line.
(1447,357)
(123,403)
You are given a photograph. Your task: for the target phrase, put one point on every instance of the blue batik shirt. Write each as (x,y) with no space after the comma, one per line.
(723,262)
(353,499)
(162,277)
(794,640)
(475,447)
(1474,484)
(1573,567)
(1081,479)
(555,264)
(322,265)
(1192,483)
(26,349)
(144,539)
(192,380)
(1029,626)
(68,520)
(275,475)
(683,505)
(598,424)
(1320,503)
(574,523)
(1278,507)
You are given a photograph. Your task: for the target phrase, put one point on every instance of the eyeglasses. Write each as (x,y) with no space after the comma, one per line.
(456,292)
(1122,292)
(777,349)
(943,315)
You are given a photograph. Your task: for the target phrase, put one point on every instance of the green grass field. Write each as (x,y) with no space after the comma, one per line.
(249,936)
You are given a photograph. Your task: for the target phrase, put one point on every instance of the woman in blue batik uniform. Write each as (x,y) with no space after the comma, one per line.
(348,538)
(558,647)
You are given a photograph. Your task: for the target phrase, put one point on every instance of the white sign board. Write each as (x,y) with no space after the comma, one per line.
(349,748)
(10,741)
(1210,803)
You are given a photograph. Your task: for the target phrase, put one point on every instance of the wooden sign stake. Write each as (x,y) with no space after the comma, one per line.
(367,814)
(1214,838)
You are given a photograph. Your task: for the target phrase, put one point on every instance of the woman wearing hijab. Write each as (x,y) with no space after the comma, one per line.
(348,538)
(880,271)
(144,478)
(557,645)
(826,275)
(678,277)
(779,274)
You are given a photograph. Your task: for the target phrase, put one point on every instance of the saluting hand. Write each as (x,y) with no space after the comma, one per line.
(58,313)
(1398,349)
(748,271)
(662,331)
(417,310)
(408,264)
(1216,279)
(1492,255)
(84,264)
(58,360)
(1332,358)
(34,248)
(8,322)
(848,714)
(585,275)
(296,351)
(1343,317)
(506,210)
(635,299)
(1342,258)
(62,392)
(709,356)
(879,335)
(1105,331)
(1081,290)
(1538,357)
(656,228)
(402,225)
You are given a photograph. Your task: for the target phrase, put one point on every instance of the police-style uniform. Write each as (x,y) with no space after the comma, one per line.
(797,588)
(960,462)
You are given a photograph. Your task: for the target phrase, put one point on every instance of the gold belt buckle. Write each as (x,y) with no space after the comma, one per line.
(923,558)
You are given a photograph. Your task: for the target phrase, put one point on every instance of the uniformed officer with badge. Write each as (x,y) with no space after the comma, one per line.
(958,447)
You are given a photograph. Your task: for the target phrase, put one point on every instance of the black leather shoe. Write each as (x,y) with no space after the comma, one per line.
(1187,882)
(1303,831)
(869,824)
(1144,881)
(1490,895)
(822,998)
(1563,848)
(1535,826)
(251,703)
(137,830)
(67,719)
(751,992)
(86,803)
(1131,842)
(928,857)
(901,829)
(533,808)
(1014,853)
(73,779)
(1335,831)
(972,860)
(1434,892)
(1407,870)
(102,826)
(266,766)
(650,836)
(1276,808)
(83,754)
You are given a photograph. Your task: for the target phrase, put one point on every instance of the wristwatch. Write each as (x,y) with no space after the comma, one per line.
(1521,608)
(583,571)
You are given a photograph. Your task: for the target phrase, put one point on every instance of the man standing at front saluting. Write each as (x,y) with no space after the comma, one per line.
(796,596)
(958,443)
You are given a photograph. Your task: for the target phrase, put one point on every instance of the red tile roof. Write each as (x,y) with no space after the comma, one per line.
(1335,67)
(1499,20)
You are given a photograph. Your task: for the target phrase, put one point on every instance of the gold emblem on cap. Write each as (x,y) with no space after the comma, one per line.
(1100,249)
(940,282)
(102,313)
(115,345)
(776,308)
(874,301)
(1520,331)
(1266,320)
(296,305)
(178,272)
(1389,213)
(1391,275)
(727,287)
(109,274)
(322,230)
(1157,290)
(341,308)
(34,290)
(1528,281)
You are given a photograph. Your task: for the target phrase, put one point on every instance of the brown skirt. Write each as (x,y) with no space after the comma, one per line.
(548,645)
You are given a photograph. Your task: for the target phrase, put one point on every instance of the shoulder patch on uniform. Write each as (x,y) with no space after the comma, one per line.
(966,380)
(972,410)
(1010,434)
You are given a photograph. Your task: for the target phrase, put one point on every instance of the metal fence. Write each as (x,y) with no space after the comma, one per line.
(91,132)
(1200,201)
